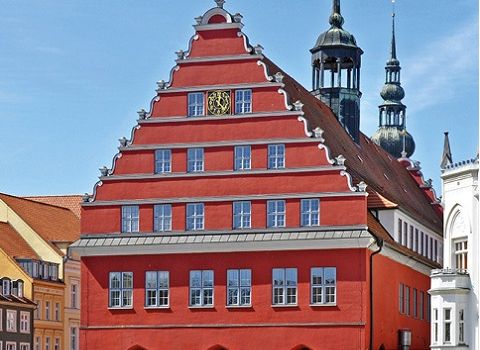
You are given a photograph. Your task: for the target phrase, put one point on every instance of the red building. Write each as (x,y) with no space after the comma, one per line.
(243,215)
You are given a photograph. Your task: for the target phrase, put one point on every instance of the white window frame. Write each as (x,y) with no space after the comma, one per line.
(56,345)
(447,325)
(56,311)
(435,328)
(24,346)
(461,326)
(157,291)
(201,293)
(276,156)
(163,161)
(38,342)
(284,291)
(130,218)
(239,287)
(243,101)
(162,217)
(47,343)
(74,295)
(73,338)
(323,292)
(124,290)
(6,287)
(276,213)
(242,158)
(195,104)
(242,215)
(310,212)
(24,322)
(1,321)
(460,253)
(195,216)
(10,345)
(47,310)
(10,326)
(195,160)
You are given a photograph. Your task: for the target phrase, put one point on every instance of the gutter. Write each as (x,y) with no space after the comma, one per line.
(379,243)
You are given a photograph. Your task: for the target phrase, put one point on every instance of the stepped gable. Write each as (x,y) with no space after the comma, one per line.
(71,202)
(365,160)
(53,224)
(13,244)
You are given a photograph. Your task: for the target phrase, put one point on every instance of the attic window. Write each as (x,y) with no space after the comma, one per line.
(217,19)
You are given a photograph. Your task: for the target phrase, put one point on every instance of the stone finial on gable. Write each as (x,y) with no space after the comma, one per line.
(180,54)
(318,134)
(362,186)
(220,3)
(161,84)
(237,18)
(123,141)
(142,114)
(340,160)
(199,19)
(278,77)
(86,198)
(298,105)
(258,49)
(428,183)
(103,170)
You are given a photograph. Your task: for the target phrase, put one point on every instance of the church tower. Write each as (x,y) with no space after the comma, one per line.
(336,61)
(392,135)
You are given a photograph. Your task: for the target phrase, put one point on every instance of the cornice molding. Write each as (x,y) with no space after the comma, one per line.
(226,58)
(220,87)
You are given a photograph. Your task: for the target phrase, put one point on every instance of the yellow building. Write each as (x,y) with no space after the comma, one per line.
(39,238)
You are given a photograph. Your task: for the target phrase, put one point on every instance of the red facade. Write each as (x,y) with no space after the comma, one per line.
(128,245)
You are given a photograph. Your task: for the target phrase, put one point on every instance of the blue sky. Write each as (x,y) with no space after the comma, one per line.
(73,73)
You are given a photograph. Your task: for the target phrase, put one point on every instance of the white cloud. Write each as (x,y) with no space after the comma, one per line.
(439,71)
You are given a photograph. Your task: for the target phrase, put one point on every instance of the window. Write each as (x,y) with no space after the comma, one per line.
(461,250)
(276,156)
(400,231)
(47,343)
(429,302)
(24,346)
(10,345)
(415,308)
(447,323)
(73,338)
(194,160)
(121,289)
(37,343)
(461,327)
(130,218)
(420,305)
(310,212)
(24,322)
(196,104)
(422,238)
(416,241)
(157,285)
(201,288)
(1,321)
(163,161)
(6,287)
(427,251)
(284,286)
(410,240)
(400,298)
(243,158)
(243,101)
(242,213)
(38,311)
(47,310)
(73,295)
(57,311)
(57,344)
(405,233)
(435,250)
(323,285)
(276,213)
(11,321)
(407,301)
(239,287)
(195,216)
(162,217)
(435,326)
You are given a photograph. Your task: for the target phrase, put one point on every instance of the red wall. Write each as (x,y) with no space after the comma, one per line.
(352,291)
(388,320)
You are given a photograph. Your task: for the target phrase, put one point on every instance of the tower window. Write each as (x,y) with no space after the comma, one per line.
(196,104)
(461,254)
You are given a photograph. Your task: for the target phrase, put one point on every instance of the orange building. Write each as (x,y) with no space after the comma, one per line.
(242,214)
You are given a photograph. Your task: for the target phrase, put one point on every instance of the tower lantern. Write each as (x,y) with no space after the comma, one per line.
(336,61)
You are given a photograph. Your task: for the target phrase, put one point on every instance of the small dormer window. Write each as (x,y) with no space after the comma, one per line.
(6,287)
(14,288)
(20,289)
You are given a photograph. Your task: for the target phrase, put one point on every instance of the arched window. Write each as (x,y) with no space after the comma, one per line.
(137,347)
(458,231)
(217,347)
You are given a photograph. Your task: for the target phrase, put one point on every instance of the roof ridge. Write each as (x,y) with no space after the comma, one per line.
(33,201)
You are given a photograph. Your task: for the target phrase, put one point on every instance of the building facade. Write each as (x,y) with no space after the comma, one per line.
(243,213)
(35,239)
(455,288)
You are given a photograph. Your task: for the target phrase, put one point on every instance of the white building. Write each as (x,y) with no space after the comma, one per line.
(455,289)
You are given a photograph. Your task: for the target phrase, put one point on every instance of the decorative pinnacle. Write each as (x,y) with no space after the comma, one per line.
(142,113)
(86,198)
(220,3)
(279,77)
(180,54)
(336,19)
(123,141)
(237,18)
(258,49)
(161,84)
(103,171)
(393,52)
